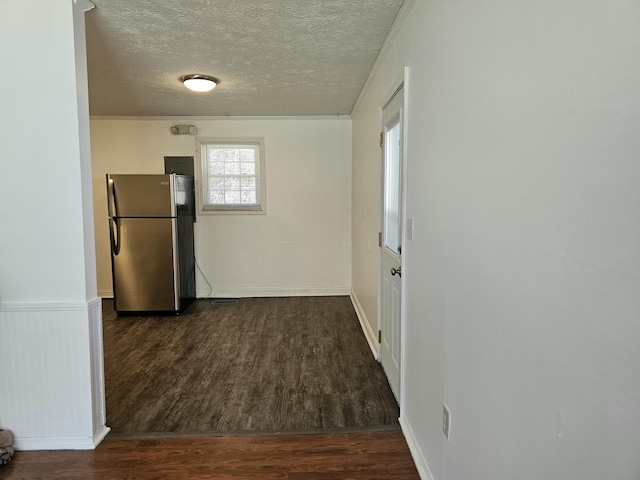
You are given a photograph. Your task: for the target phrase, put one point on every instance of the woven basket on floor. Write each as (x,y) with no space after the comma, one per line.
(6,446)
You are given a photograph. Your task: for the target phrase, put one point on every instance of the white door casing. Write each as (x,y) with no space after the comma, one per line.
(391,249)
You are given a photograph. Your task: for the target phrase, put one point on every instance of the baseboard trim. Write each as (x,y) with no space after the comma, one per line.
(364,324)
(99,436)
(261,292)
(274,292)
(416,453)
(54,443)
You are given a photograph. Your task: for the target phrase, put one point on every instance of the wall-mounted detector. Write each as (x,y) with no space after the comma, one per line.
(184,130)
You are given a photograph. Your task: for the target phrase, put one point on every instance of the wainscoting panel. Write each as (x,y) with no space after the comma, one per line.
(49,368)
(99,408)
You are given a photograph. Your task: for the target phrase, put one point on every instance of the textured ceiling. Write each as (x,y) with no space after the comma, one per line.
(273,57)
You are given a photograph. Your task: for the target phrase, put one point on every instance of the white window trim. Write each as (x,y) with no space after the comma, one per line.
(204,209)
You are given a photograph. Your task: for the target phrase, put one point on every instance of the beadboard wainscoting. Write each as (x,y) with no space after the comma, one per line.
(54,352)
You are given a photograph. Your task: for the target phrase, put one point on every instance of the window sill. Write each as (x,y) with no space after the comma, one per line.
(232,211)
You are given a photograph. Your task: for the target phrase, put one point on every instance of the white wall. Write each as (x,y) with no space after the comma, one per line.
(51,381)
(302,244)
(366,203)
(33,208)
(524,272)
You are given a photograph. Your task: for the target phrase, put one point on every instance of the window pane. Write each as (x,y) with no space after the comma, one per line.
(216,168)
(216,183)
(215,155)
(230,155)
(232,183)
(247,154)
(392,188)
(248,198)
(247,168)
(216,197)
(232,197)
(232,168)
(248,183)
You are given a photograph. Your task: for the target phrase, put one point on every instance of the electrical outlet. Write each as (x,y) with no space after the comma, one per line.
(446,422)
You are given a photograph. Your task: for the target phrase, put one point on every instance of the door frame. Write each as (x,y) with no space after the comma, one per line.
(401,81)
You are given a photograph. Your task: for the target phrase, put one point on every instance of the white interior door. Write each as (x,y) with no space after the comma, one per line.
(391,252)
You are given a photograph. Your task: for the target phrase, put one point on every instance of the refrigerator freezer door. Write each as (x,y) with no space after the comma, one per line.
(145,277)
(141,195)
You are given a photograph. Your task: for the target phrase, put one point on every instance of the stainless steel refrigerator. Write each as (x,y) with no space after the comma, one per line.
(152,254)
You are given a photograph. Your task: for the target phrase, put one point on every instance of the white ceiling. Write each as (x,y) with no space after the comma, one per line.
(273,57)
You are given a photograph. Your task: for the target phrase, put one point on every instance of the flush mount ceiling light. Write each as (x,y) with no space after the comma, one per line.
(199,83)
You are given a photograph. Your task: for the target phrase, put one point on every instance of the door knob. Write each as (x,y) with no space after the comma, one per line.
(397,271)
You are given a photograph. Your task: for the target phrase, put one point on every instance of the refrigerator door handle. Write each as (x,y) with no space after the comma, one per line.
(114,224)
(112,204)
(114,235)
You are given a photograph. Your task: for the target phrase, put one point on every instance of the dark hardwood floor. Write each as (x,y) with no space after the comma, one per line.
(260,365)
(208,394)
(365,456)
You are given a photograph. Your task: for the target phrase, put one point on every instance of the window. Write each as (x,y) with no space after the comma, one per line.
(233,175)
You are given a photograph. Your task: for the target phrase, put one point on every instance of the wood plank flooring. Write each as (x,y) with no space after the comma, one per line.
(365,456)
(259,365)
(179,387)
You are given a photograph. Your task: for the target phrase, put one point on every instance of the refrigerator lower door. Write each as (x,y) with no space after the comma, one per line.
(145,273)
